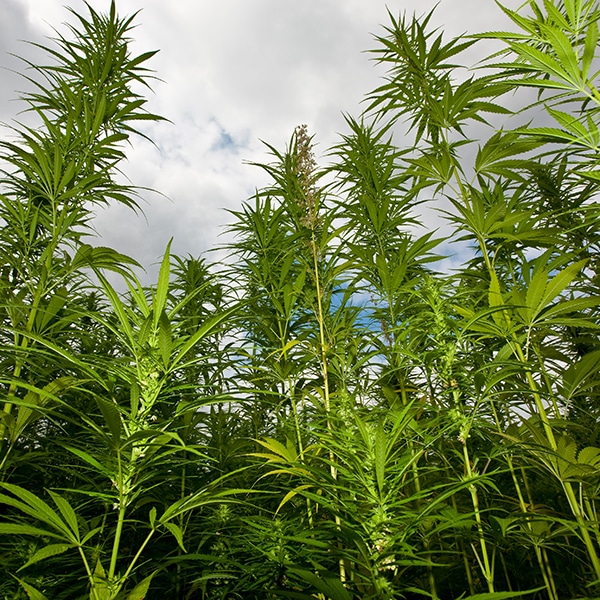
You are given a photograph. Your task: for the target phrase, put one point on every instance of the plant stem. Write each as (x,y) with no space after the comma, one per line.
(120,519)
(488,571)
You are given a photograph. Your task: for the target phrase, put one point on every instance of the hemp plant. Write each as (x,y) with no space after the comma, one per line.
(332,413)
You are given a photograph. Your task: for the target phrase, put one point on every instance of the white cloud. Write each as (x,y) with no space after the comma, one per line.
(235,72)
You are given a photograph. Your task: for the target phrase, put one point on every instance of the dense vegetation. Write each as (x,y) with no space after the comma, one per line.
(327,415)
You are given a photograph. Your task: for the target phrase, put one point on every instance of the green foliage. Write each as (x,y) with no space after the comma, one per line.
(328,416)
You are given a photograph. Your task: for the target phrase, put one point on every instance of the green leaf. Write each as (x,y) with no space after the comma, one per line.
(497,155)
(500,595)
(326,583)
(380,456)
(569,122)
(165,339)
(496,302)
(205,329)
(140,591)
(589,50)
(541,61)
(88,458)
(553,314)
(22,529)
(203,497)
(26,414)
(176,532)
(55,304)
(47,552)
(118,306)
(112,418)
(162,287)
(33,506)
(543,290)
(32,593)
(101,257)
(581,375)
(100,588)
(291,494)
(66,510)
(590,455)
(280,453)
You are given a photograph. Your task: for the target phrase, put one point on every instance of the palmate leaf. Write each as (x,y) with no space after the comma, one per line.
(286,454)
(588,141)
(36,508)
(591,175)
(35,404)
(558,313)
(71,359)
(590,455)
(497,155)
(581,375)
(100,257)
(543,288)
(203,497)
(574,125)
(203,331)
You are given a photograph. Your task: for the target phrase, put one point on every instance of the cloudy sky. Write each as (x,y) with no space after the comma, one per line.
(233,72)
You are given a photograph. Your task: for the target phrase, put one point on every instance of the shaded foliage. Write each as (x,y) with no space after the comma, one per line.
(326,416)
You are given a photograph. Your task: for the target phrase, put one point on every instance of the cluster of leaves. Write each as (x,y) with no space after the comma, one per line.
(344,421)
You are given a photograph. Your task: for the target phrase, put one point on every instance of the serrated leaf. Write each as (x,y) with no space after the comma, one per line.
(140,591)
(165,339)
(498,153)
(291,494)
(33,506)
(32,592)
(589,49)
(67,511)
(503,595)
(21,529)
(176,532)
(112,418)
(566,448)
(380,447)
(287,453)
(581,374)
(162,286)
(327,583)
(90,460)
(590,455)
(205,329)
(542,291)
(100,589)
(47,552)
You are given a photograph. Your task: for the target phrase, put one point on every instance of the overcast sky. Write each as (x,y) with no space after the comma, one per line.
(233,72)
